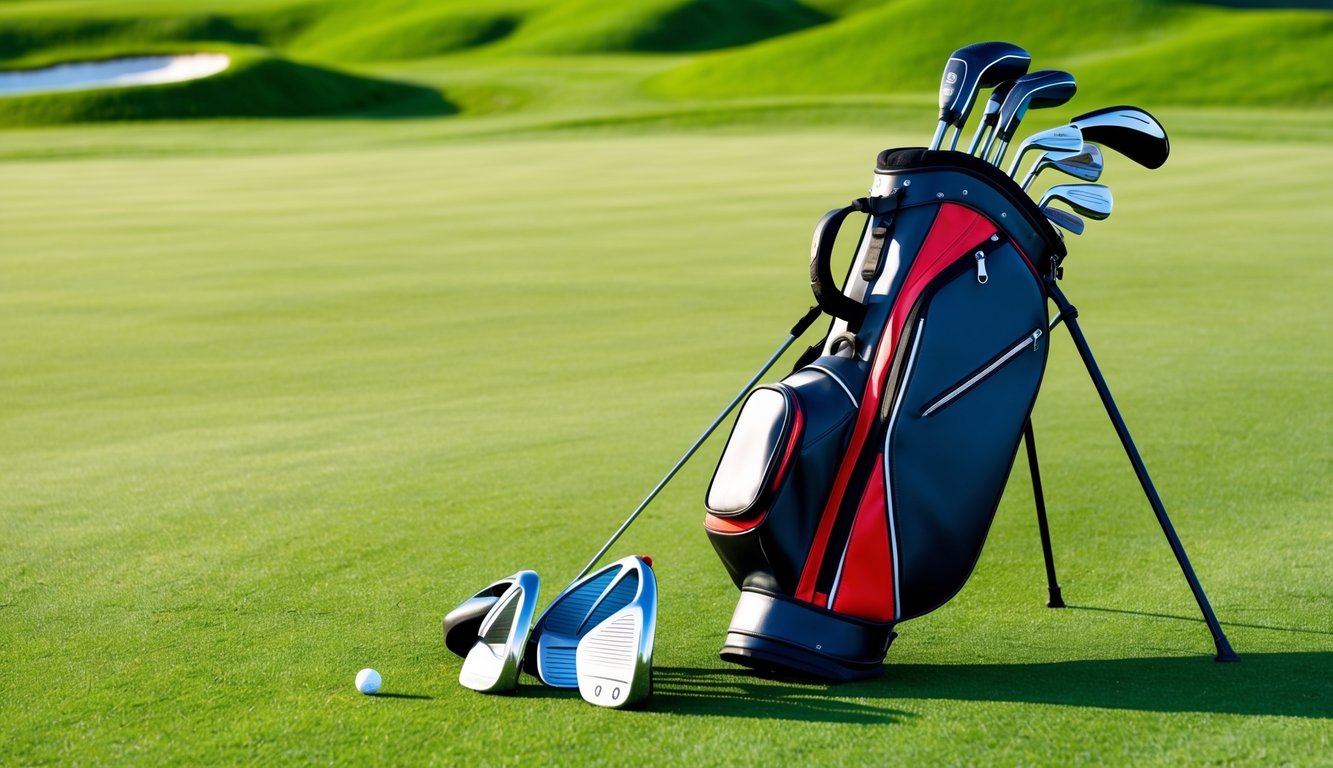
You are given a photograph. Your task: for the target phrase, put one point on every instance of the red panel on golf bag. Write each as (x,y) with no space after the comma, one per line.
(954,229)
(865,585)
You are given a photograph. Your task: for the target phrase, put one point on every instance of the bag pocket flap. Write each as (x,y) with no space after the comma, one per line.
(754,454)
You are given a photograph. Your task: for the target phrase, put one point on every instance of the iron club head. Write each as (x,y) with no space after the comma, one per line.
(1091,200)
(614,660)
(584,605)
(493,661)
(1064,220)
(1061,138)
(1085,165)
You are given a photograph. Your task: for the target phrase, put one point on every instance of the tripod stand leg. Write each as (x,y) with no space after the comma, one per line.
(1069,315)
(1052,586)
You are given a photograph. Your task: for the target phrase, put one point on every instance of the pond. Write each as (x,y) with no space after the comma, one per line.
(135,70)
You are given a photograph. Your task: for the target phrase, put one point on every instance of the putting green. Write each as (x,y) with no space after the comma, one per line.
(277,396)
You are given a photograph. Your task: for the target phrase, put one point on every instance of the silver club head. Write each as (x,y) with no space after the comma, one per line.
(614,660)
(1085,165)
(1091,200)
(492,665)
(583,605)
(1064,220)
(1061,138)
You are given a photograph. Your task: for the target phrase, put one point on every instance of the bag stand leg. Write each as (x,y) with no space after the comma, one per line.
(1070,317)
(1052,586)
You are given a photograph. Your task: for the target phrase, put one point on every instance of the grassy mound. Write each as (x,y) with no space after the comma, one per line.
(589,26)
(255,85)
(1157,52)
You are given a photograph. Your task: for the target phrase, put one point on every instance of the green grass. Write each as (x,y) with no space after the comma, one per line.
(277,397)
(278,393)
(1153,51)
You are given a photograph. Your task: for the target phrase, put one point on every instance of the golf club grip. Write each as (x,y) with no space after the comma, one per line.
(827,293)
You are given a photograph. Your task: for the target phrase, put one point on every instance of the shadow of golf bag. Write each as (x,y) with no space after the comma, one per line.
(857,492)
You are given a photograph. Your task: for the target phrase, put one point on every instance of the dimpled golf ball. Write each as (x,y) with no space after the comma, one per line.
(368,681)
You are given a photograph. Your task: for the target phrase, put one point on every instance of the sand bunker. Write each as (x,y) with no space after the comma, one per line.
(137,70)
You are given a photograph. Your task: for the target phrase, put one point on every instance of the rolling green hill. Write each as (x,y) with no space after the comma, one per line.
(1151,51)
(1177,53)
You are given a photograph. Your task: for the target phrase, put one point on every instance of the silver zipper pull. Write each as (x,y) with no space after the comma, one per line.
(1036,337)
(981,267)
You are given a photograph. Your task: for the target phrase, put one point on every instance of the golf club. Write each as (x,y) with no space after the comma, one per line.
(1128,130)
(1061,138)
(1064,219)
(614,660)
(493,662)
(796,330)
(980,65)
(1085,165)
(1091,200)
(1035,90)
(989,115)
(554,641)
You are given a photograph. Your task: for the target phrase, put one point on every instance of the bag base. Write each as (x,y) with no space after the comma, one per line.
(773,633)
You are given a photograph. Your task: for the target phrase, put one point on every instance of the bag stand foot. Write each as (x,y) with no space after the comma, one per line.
(1069,315)
(1055,600)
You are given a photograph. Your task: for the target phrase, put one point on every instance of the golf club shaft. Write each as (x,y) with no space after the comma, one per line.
(796,332)
(982,132)
(939,135)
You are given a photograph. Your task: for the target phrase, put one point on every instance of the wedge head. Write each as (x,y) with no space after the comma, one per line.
(614,660)
(585,605)
(494,660)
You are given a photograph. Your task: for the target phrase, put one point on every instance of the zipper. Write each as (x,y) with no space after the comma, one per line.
(981,374)
(980,256)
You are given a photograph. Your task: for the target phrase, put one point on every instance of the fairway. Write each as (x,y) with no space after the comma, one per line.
(271,407)
(416,294)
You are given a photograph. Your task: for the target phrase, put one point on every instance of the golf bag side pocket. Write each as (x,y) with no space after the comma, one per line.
(779,460)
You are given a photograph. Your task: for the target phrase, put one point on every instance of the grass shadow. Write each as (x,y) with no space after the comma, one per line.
(737,693)
(1298,684)
(412,696)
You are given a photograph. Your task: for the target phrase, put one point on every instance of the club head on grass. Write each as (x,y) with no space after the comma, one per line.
(1061,138)
(493,662)
(1128,130)
(1091,200)
(553,645)
(614,660)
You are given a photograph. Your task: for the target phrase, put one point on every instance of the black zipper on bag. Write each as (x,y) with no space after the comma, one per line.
(951,394)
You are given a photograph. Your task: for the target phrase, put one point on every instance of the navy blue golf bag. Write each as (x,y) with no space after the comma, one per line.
(857,492)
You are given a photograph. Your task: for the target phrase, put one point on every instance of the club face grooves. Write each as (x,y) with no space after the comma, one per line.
(626,585)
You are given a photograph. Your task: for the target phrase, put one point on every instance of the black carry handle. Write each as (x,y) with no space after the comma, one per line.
(828,295)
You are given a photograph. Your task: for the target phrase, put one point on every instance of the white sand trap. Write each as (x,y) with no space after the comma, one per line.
(113,73)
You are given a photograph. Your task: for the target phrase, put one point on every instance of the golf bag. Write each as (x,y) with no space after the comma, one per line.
(857,492)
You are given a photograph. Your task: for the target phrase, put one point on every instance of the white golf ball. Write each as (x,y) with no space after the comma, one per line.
(368,681)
